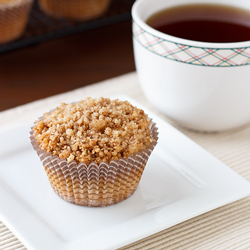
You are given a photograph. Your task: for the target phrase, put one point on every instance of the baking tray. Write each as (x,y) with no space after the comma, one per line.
(42,28)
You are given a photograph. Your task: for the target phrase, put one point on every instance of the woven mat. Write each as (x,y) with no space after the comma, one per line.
(227,227)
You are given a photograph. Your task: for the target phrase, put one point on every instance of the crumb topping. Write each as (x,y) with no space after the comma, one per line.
(93,130)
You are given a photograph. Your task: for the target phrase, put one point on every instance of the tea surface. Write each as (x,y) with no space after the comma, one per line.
(204,22)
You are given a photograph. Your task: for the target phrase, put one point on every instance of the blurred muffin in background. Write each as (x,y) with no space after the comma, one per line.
(13,18)
(74,9)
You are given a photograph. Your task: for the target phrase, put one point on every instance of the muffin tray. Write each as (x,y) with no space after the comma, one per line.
(180,181)
(41,27)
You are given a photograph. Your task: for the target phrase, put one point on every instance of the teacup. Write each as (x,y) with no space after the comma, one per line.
(201,85)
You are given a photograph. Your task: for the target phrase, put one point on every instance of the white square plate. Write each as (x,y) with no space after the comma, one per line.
(180,181)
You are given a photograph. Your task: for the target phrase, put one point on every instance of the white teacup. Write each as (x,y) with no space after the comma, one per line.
(203,86)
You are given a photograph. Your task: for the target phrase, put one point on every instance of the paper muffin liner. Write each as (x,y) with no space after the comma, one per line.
(74,9)
(13,19)
(95,185)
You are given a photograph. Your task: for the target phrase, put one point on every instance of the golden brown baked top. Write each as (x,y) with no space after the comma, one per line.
(12,3)
(7,1)
(93,130)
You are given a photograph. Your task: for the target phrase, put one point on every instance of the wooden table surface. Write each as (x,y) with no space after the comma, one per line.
(64,64)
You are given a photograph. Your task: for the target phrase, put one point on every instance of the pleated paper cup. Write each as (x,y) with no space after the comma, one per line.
(13,19)
(95,185)
(74,9)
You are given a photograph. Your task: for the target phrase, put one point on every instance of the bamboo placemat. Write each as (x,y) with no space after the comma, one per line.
(226,228)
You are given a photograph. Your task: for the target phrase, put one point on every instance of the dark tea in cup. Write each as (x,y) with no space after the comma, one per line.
(204,22)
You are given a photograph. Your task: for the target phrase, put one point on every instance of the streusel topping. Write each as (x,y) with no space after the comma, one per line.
(93,130)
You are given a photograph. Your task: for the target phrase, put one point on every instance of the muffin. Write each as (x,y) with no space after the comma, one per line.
(74,9)
(13,18)
(94,152)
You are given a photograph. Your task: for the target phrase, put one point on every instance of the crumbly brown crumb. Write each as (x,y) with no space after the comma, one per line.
(94,130)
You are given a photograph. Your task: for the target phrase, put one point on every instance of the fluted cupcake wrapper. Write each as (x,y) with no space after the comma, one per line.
(74,9)
(95,185)
(13,19)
